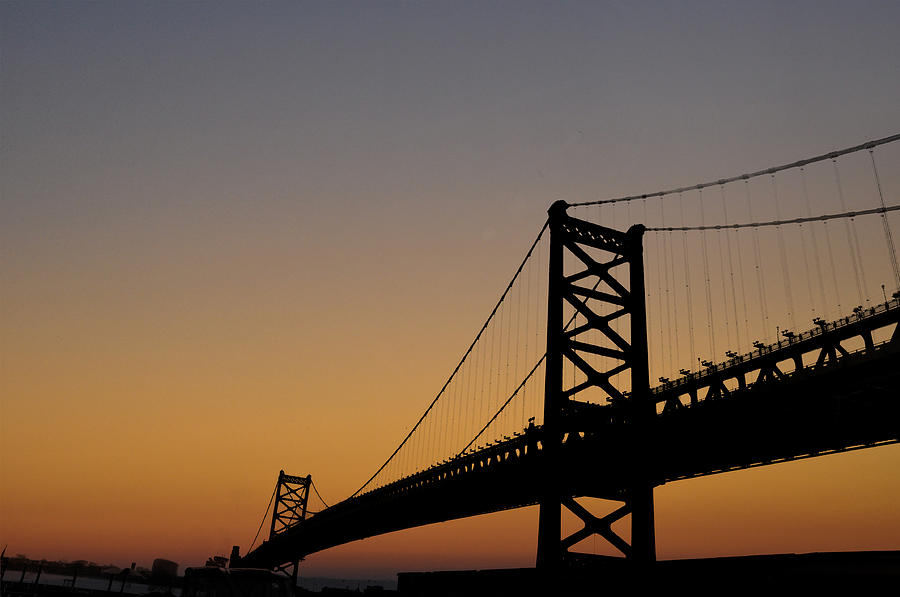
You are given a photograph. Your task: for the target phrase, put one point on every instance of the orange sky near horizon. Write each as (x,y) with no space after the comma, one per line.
(841,502)
(237,239)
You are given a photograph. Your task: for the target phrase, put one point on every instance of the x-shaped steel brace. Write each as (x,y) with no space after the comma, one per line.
(596,526)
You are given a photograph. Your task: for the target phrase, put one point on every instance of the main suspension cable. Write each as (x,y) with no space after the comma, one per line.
(504,405)
(825,156)
(822,218)
(463,359)
(263,521)
(572,319)
(316,489)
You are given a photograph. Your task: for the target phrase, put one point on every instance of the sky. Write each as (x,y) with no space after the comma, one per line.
(239,238)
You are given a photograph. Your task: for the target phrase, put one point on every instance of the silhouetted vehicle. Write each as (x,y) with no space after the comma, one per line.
(212,581)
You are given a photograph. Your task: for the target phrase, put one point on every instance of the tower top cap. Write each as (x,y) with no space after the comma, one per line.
(558,207)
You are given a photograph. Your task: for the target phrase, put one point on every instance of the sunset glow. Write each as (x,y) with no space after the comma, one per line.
(237,239)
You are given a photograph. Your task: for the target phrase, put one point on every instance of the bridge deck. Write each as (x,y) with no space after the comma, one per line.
(843,400)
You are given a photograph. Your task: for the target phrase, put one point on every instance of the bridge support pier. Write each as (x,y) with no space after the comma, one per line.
(606,308)
(643,526)
(295,573)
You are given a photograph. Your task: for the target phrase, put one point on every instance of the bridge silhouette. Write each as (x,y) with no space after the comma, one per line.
(552,402)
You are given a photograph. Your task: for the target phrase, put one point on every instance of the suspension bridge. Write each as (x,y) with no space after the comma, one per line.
(646,339)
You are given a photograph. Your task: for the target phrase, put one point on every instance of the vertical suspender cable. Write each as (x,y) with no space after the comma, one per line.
(673,301)
(498,392)
(664,304)
(441,432)
(784,262)
(709,312)
(493,368)
(404,463)
(489,371)
(815,243)
(518,337)
(445,429)
(541,275)
(687,284)
(665,315)
(659,301)
(723,278)
(421,439)
(432,432)
(487,378)
(461,427)
(852,241)
(665,256)
(416,452)
(888,237)
(737,325)
(431,440)
(469,398)
(506,368)
(527,306)
(456,413)
(837,288)
(509,352)
(504,374)
(479,390)
(648,299)
(760,280)
(430,453)
(449,422)
(483,384)
(533,306)
(806,270)
(403,458)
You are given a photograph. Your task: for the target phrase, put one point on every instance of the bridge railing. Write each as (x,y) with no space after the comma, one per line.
(766,351)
